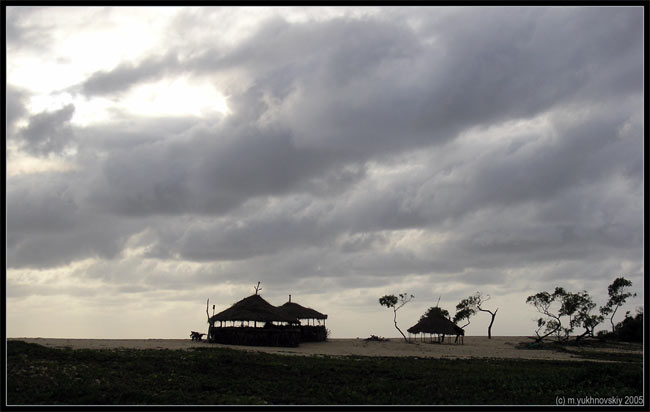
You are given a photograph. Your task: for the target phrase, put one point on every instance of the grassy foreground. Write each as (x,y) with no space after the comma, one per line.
(41,375)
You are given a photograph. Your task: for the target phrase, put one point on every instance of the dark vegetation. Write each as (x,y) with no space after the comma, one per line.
(375,338)
(564,311)
(602,349)
(629,329)
(40,375)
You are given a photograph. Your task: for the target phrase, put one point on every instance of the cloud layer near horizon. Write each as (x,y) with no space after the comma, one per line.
(496,149)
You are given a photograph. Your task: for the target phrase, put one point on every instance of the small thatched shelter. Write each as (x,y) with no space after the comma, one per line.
(316,332)
(438,324)
(254,321)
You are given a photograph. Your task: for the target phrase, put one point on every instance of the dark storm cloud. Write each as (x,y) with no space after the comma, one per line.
(403,94)
(48,132)
(587,153)
(231,241)
(49,225)
(369,87)
(329,72)
(161,167)
(290,185)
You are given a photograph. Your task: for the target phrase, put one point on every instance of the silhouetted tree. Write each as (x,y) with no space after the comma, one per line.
(543,302)
(575,306)
(395,302)
(616,298)
(578,307)
(465,310)
(434,311)
(468,307)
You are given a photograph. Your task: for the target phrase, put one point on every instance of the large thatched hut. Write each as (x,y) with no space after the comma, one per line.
(312,322)
(436,323)
(254,321)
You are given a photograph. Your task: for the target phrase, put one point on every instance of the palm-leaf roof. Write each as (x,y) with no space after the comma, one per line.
(253,308)
(300,312)
(436,323)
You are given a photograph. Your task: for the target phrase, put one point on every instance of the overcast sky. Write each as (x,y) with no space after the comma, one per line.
(158,157)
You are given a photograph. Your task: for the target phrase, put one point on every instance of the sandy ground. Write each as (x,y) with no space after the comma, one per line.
(474,347)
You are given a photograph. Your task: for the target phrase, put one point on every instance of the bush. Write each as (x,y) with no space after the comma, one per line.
(631,328)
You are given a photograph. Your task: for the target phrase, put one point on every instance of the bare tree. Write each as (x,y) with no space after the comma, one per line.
(394,302)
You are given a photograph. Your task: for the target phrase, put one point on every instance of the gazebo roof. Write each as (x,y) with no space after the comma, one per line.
(436,323)
(253,308)
(300,312)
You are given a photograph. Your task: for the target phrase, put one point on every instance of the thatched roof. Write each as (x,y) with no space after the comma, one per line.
(436,323)
(298,311)
(253,308)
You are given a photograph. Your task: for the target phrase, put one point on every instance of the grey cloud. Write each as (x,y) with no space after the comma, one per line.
(99,237)
(143,180)
(584,158)
(48,223)
(15,109)
(21,290)
(21,34)
(293,223)
(284,187)
(48,132)
(468,77)
(549,54)
(257,237)
(342,84)
(40,204)
(585,153)
(210,172)
(126,75)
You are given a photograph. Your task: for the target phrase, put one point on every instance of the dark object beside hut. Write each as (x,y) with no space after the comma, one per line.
(196,335)
(308,333)
(438,324)
(255,322)
(375,338)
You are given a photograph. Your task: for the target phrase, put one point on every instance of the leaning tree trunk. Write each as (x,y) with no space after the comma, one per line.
(611,319)
(541,338)
(396,327)
(207,312)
